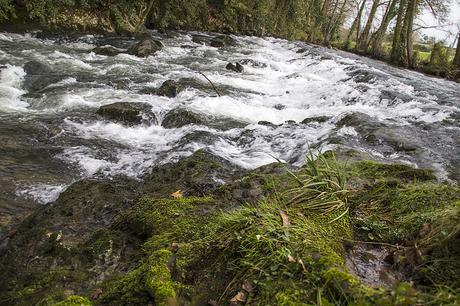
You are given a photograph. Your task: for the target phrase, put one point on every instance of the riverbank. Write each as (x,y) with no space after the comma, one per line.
(331,233)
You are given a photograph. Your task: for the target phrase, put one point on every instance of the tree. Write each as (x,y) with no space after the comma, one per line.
(377,38)
(363,39)
(355,26)
(397,47)
(456,61)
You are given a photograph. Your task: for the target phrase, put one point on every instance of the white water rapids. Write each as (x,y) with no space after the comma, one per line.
(400,115)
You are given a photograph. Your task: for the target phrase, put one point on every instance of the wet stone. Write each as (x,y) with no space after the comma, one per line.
(146,47)
(107,51)
(127,113)
(237,67)
(180,117)
(169,89)
(37,68)
(319,119)
(223,41)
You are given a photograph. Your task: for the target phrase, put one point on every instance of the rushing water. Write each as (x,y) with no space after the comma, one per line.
(50,135)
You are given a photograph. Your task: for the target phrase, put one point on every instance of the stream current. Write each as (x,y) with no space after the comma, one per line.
(291,96)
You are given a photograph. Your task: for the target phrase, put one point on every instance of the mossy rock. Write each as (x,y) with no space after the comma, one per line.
(180,117)
(128,112)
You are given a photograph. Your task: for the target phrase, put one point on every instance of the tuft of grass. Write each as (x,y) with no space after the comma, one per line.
(322,185)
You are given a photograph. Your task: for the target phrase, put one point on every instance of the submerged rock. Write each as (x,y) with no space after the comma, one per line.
(223,41)
(127,112)
(107,50)
(237,67)
(180,117)
(146,47)
(37,68)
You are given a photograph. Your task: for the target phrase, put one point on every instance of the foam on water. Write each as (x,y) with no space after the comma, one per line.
(41,193)
(11,79)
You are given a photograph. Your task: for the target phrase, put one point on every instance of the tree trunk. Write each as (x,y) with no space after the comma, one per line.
(397,46)
(456,61)
(377,37)
(364,38)
(330,24)
(410,16)
(339,20)
(355,24)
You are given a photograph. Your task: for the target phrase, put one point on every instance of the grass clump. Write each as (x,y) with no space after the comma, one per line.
(323,186)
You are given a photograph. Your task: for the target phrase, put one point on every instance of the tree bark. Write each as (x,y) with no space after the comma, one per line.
(364,38)
(456,61)
(397,47)
(377,37)
(355,24)
(410,16)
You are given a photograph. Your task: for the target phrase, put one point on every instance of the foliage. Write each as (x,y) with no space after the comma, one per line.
(6,9)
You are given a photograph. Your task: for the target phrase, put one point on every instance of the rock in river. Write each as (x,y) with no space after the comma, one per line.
(127,112)
(168,89)
(223,41)
(180,117)
(107,50)
(146,47)
(237,67)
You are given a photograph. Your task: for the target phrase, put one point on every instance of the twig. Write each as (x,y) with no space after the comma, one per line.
(210,82)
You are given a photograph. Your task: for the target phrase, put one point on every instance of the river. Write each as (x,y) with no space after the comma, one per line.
(50,135)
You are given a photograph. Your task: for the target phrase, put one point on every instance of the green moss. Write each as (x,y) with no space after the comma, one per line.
(376,170)
(126,290)
(158,278)
(74,300)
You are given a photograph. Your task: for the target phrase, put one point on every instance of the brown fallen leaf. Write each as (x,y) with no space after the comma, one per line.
(240,297)
(291,259)
(178,194)
(303,265)
(284,218)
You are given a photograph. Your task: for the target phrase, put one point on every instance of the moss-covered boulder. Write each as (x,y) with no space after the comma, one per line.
(180,117)
(128,113)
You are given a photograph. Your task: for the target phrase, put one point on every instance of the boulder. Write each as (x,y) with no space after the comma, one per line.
(223,41)
(107,50)
(319,119)
(237,67)
(146,47)
(196,175)
(37,68)
(127,112)
(169,89)
(180,117)
(253,63)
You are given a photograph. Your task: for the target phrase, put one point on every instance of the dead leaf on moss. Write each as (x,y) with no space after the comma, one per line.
(240,297)
(178,194)
(284,218)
